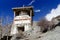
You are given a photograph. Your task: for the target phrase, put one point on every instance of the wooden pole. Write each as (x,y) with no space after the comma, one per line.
(14,14)
(31,16)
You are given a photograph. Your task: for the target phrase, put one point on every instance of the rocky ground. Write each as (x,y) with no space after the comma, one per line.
(52,35)
(37,35)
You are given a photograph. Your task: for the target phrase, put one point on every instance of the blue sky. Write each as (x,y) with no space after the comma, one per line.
(45,7)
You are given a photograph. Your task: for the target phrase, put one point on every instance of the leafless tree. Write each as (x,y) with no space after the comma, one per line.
(0,27)
(8,25)
(45,25)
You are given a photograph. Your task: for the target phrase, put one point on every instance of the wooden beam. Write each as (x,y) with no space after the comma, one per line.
(31,17)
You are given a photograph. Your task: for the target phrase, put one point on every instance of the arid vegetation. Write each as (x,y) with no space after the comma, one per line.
(5,27)
(46,25)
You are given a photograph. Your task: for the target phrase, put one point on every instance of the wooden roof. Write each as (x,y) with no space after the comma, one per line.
(27,8)
(23,8)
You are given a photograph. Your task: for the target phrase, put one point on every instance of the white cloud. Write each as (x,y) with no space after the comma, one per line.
(31,2)
(37,10)
(53,13)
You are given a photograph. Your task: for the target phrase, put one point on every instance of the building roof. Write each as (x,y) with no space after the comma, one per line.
(24,8)
(28,7)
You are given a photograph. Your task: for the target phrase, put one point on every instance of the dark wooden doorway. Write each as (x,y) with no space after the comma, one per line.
(21,28)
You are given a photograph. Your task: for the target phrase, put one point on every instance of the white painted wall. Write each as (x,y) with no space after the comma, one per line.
(25,23)
(19,21)
(27,27)
(14,30)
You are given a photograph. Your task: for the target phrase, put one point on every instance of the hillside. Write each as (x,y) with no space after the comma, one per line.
(35,33)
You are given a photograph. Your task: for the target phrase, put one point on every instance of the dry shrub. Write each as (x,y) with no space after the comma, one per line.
(45,25)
